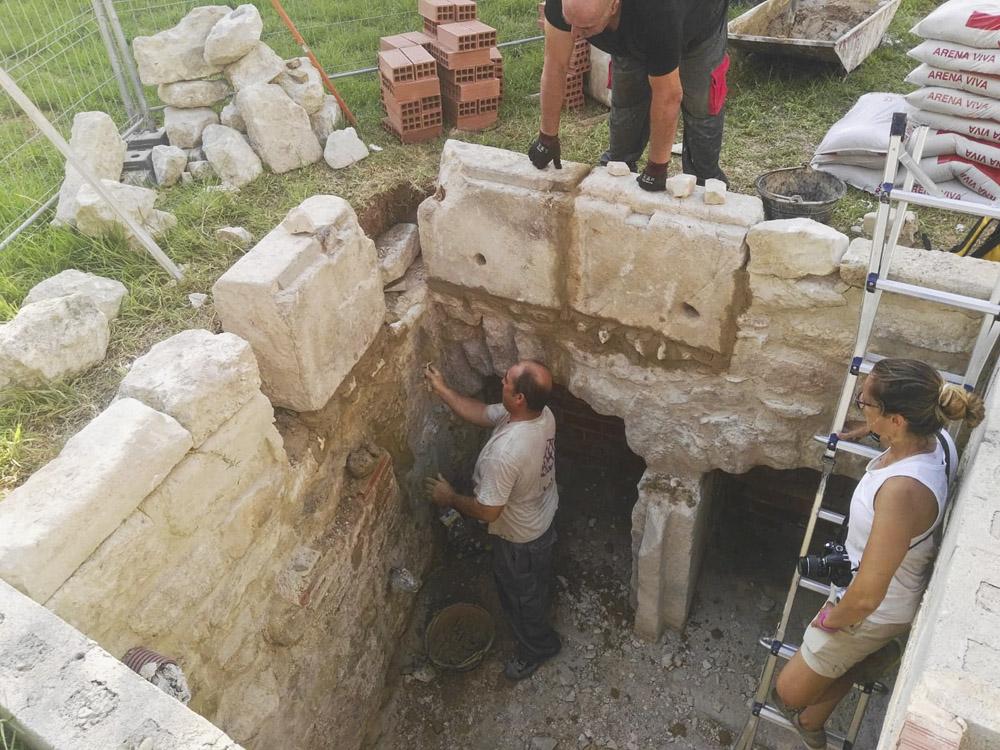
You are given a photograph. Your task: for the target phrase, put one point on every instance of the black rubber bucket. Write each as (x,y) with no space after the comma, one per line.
(800,192)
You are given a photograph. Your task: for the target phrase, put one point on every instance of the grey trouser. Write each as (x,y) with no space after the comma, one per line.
(631,97)
(523,574)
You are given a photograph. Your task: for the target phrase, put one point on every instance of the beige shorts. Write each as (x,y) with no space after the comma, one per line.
(832,654)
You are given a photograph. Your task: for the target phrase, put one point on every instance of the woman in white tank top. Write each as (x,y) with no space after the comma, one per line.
(895,509)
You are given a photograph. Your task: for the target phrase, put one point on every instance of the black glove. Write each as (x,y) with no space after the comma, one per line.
(653,177)
(545,149)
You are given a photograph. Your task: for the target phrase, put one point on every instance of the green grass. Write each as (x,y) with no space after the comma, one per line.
(9,738)
(777,113)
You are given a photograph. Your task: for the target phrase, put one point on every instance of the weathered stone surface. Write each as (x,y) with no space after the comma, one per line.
(234,35)
(178,54)
(200,170)
(107,294)
(397,248)
(235,236)
(56,519)
(184,126)
(715,192)
(326,120)
(522,257)
(300,221)
(168,163)
(681,185)
(94,138)
(231,156)
(793,248)
(231,118)
(309,308)
(198,378)
(908,232)
(344,148)
(260,65)
(52,339)
(96,218)
(806,294)
(500,342)
(618,169)
(656,262)
(192,94)
(303,84)
(139,178)
(278,128)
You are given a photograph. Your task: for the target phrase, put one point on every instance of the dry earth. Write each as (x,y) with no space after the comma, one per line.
(607,688)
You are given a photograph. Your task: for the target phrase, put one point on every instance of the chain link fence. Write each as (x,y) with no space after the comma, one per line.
(72,56)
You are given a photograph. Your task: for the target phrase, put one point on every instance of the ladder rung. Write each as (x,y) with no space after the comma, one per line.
(936,295)
(819,588)
(848,447)
(831,516)
(948,204)
(871,359)
(770,713)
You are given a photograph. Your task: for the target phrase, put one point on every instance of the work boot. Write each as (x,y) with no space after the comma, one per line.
(815,739)
(517,668)
(876,664)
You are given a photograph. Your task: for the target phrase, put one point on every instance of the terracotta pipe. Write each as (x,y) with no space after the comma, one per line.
(312,59)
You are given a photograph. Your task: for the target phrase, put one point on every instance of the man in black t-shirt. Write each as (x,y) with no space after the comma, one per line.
(668,59)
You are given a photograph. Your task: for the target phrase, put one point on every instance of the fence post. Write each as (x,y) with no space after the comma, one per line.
(127,97)
(126,55)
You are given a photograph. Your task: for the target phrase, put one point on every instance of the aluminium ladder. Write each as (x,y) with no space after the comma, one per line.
(877,281)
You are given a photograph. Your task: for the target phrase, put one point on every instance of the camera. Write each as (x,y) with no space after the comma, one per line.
(833,565)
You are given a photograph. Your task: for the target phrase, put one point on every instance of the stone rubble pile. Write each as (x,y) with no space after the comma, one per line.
(278,114)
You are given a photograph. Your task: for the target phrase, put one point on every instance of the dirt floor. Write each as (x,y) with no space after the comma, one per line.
(608,688)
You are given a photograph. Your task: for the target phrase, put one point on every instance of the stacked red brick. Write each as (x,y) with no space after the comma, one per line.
(410,89)
(579,63)
(465,49)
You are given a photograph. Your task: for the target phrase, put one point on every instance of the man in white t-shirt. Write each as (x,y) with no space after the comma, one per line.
(515,492)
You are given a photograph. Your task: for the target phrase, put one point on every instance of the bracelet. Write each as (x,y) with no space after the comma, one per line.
(821,622)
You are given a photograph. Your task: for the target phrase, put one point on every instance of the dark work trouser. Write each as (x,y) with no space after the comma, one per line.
(631,97)
(523,574)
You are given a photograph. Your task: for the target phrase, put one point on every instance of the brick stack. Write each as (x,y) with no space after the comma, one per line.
(410,89)
(579,63)
(463,47)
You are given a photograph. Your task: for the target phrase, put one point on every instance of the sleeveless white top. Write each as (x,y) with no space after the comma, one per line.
(911,577)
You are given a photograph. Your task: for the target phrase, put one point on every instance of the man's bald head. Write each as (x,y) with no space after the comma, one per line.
(589,17)
(533,381)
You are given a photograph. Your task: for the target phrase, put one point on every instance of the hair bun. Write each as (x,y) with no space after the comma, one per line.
(957,403)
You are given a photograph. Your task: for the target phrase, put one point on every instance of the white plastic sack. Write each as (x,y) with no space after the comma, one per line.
(972,22)
(952,56)
(864,130)
(984,180)
(974,83)
(984,130)
(953,102)
(870,180)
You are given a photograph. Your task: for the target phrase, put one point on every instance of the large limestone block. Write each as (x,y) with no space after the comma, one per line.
(51,340)
(199,378)
(107,294)
(807,293)
(303,84)
(279,128)
(96,218)
(234,35)
(168,164)
(397,248)
(260,65)
(794,248)
(178,54)
(94,138)
(56,519)
(184,126)
(193,94)
(309,305)
(231,156)
(653,261)
(527,215)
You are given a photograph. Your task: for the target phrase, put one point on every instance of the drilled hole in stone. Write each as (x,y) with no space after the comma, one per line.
(690,311)
(480,259)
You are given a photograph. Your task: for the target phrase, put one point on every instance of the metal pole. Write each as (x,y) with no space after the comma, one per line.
(12,89)
(127,98)
(29,221)
(126,54)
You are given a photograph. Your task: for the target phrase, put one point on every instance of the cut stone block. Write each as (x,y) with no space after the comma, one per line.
(715,192)
(51,340)
(260,65)
(326,120)
(231,156)
(168,163)
(56,519)
(397,248)
(231,118)
(193,94)
(793,248)
(309,307)
(344,148)
(107,294)
(94,138)
(234,236)
(303,84)
(234,35)
(527,211)
(199,378)
(178,54)
(184,126)
(96,218)
(681,185)
(279,128)
(656,262)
